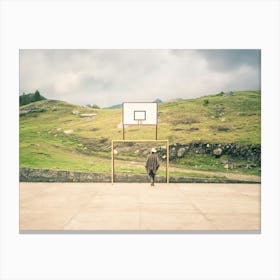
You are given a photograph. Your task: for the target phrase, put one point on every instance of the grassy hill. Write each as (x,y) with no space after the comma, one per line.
(58,135)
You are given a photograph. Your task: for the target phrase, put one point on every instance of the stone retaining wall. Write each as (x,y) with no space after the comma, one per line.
(49,175)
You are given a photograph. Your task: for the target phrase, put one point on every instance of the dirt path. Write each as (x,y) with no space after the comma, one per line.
(229,175)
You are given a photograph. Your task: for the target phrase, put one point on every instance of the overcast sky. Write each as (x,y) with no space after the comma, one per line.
(108,77)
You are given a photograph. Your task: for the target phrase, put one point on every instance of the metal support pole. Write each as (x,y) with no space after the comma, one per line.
(156,131)
(113,156)
(167,162)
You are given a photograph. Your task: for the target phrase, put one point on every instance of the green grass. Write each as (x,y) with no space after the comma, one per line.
(162,172)
(57,157)
(209,163)
(241,113)
(222,119)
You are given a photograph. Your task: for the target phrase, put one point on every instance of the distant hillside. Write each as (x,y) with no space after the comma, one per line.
(158,100)
(59,135)
(117,106)
(30,97)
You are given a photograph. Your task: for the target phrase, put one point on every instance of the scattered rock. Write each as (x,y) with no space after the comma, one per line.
(193,129)
(22,112)
(181,152)
(217,152)
(31,109)
(70,131)
(173,153)
(220,128)
(75,112)
(87,115)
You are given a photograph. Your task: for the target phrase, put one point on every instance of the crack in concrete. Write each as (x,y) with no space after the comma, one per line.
(198,209)
(79,210)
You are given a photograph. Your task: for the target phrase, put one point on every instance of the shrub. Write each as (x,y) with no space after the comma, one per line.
(220,128)
(205,102)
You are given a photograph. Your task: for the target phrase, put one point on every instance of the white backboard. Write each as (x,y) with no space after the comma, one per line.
(146,113)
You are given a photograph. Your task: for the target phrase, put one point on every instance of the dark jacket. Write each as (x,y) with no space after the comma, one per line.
(152,163)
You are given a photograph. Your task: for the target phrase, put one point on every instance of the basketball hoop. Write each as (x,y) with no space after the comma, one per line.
(139,113)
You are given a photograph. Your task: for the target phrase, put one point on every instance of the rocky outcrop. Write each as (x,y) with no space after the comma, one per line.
(233,151)
(31,109)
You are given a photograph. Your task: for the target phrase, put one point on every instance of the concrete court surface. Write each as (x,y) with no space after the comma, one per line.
(139,207)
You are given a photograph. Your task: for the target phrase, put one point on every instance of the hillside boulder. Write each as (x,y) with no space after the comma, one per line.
(217,152)
(70,131)
(181,152)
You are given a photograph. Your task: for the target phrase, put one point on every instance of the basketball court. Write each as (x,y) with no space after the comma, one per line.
(138,207)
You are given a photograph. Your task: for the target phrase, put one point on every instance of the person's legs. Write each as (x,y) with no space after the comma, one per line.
(152,176)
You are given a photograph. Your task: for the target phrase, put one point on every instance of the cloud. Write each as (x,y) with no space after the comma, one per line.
(228,60)
(108,77)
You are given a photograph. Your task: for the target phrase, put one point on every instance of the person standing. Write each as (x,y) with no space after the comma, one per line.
(152,165)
